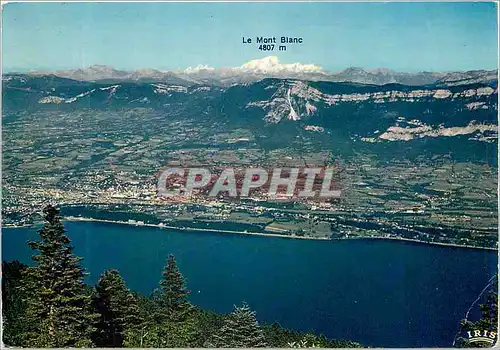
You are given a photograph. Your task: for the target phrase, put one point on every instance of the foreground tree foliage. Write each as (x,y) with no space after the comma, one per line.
(48,305)
(118,310)
(240,330)
(488,322)
(171,297)
(172,321)
(13,304)
(279,337)
(58,310)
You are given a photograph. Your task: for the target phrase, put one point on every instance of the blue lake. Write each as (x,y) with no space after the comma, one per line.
(376,292)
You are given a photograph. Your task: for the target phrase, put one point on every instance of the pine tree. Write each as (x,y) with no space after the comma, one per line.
(173,321)
(58,307)
(172,295)
(118,310)
(143,335)
(207,324)
(13,306)
(488,322)
(240,330)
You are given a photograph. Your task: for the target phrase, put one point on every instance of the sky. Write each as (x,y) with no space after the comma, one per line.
(173,36)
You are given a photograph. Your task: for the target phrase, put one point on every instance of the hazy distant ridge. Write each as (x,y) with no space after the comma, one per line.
(271,67)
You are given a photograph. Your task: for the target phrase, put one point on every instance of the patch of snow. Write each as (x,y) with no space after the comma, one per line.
(112,88)
(314,128)
(201,89)
(166,89)
(51,99)
(73,99)
(476,105)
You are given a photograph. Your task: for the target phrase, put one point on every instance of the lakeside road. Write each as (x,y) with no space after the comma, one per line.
(276,235)
(71,218)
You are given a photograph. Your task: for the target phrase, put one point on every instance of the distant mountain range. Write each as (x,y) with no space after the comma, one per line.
(270,67)
(342,116)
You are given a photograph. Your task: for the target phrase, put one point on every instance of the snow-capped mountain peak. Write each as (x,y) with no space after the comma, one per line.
(272,65)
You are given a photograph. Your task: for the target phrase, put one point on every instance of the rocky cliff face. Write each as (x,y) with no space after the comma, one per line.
(296,99)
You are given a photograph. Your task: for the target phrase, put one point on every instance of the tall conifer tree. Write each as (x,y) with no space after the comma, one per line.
(240,330)
(172,295)
(117,308)
(174,316)
(58,306)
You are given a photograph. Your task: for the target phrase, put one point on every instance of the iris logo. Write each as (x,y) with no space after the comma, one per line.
(482,336)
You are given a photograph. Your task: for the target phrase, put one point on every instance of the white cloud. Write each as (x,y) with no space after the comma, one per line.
(198,68)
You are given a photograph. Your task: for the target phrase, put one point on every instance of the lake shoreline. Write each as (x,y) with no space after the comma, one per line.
(275,235)
(344,281)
